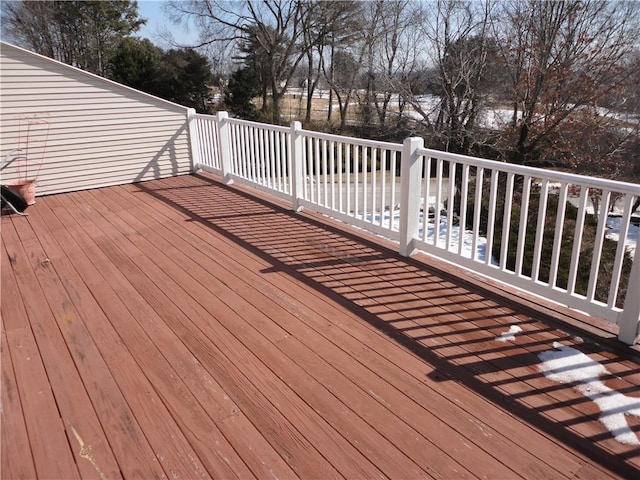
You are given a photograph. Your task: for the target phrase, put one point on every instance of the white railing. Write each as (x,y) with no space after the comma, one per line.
(539,230)
(253,153)
(204,135)
(354,180)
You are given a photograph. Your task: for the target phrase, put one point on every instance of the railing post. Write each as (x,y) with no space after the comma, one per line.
(194,140)
(297,173)
(224,141)
(410,176)
(629,318)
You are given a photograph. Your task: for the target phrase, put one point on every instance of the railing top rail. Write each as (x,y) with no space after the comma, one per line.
(248,123)
(265,126)
(205,116)
(534,172)
(352,140)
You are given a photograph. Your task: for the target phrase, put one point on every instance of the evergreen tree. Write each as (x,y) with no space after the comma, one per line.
(136,63)
(185,77)
(243,87)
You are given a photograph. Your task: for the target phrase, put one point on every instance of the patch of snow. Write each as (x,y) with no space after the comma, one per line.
(509,335)
(454,242)
(613,233)
(467,235)
(569,365)
(496,118)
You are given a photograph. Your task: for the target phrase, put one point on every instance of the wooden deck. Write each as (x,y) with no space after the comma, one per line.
(184,329)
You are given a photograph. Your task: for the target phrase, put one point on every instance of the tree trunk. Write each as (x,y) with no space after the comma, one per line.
(276,97)
(330,107)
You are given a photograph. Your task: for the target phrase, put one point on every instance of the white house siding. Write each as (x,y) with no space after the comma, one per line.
(100,133)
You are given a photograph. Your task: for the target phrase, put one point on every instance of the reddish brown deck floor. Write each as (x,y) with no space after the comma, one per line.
(185,329)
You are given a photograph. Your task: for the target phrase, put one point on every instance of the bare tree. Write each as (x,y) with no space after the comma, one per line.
(276,26)
(341,69)
(80,33)
(349,49)
(325,20)
(563,58)
(392,53)
(460,46)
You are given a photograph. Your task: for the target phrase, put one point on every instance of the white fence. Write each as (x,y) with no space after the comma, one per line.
(542,231)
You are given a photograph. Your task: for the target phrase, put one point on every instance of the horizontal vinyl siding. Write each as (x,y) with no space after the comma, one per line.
(100,133)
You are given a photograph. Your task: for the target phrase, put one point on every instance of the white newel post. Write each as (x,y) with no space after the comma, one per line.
(224,140)
(629,318)
(193,140)
(297,174)
(410,176)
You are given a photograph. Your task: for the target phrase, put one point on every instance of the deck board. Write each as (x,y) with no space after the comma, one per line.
(184,328)
(448,442)
(17,461)
(126,309)
(297,352)
(52,456)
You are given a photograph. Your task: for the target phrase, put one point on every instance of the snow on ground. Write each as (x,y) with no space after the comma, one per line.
(467,240)
(613,220)
(467,236)
(613,233)
(569,365)
(509,335)
(496,118)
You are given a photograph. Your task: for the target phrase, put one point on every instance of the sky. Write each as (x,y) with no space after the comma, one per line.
(158,21)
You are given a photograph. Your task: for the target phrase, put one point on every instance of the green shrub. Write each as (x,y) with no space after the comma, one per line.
(607,256)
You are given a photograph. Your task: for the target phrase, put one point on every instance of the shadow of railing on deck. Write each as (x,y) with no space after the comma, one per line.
(448,322)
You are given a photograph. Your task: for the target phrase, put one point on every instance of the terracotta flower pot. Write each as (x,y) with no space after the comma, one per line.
(27,189)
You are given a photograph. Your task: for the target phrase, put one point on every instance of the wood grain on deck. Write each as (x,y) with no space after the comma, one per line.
(187,329)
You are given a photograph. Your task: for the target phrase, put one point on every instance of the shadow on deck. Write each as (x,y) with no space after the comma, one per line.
(338,357)
(447,322)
